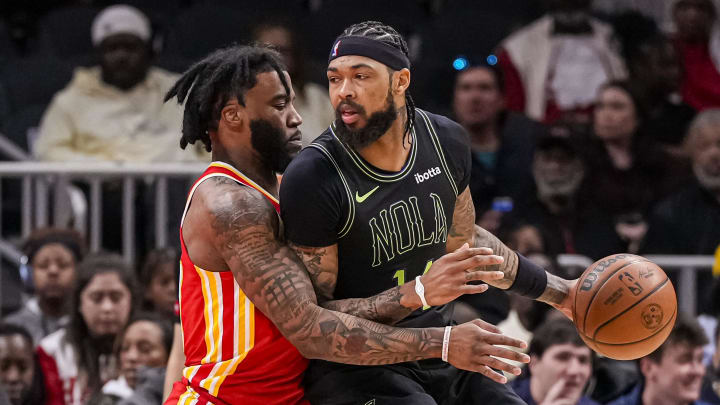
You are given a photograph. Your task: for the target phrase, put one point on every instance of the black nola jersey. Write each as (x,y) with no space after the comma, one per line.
(389,226)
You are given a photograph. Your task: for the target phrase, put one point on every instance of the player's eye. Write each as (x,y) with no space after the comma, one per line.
(361,76)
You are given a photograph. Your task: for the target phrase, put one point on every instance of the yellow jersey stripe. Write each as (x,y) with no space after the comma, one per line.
(245,178)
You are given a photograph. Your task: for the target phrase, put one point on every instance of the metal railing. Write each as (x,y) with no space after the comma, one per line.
(686,268)
(41,180)
(38,179)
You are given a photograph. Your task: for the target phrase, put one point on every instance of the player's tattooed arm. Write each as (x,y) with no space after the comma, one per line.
(273,277)
(465,230)
(388,307)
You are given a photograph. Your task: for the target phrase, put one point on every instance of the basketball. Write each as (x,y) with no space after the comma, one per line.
(624,306)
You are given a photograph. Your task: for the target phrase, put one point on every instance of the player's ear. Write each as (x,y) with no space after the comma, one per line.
(401,81)
(233,114)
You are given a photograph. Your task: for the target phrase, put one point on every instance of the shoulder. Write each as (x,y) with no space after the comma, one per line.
(231,203)
(163,78)
(313,162)
(670,206)
(450,133)
(55,344)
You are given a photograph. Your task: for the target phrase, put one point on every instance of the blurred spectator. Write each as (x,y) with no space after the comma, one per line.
(158,277)
(560,367)
(697,45)
(554,66)
(627,172)
(143,353)
(77,360)
(115,112)
(20,376)
(567,222)
(672,374)
(710,391)
(502,141)
(311,100)
(688,222)
(52,255)
(708,320)
(655,68)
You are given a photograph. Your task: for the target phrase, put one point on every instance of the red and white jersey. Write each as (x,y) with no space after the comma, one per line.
(233,351)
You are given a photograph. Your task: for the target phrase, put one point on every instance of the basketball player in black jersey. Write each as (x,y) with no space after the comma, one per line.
(381,194)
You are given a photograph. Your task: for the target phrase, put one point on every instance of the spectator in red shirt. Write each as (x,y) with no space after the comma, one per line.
(694,21)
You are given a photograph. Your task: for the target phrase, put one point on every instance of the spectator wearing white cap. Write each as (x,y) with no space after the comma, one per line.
(115,111)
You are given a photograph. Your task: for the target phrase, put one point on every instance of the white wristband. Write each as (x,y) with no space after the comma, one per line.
(446,343)
(420,291)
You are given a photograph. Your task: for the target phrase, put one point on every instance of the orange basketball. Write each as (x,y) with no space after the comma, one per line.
(624,306)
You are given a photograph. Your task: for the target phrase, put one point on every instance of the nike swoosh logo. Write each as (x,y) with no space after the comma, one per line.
(360,198)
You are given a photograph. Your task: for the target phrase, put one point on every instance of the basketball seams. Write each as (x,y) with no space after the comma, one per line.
(598,288)
(660,329)
(653,291)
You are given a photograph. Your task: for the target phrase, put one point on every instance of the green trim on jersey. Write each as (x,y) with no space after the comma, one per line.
(368,171)
(351,215)
(438,149)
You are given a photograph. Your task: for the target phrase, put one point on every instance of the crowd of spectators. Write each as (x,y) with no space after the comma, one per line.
(593,131)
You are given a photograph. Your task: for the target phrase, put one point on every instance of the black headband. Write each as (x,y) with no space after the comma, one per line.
(373,49)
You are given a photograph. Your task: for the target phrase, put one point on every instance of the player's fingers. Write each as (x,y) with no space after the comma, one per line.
(502,340)
(507,354)
(474,288)
(481,275)
(466,252)
(493,375)
(461,248)
(486,325)
(501,365)
(475,261)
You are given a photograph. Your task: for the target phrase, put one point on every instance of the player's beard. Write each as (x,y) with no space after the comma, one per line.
(270,142)
(376,125)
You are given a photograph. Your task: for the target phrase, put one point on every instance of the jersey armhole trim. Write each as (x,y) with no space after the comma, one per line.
(438,149)
(351,211)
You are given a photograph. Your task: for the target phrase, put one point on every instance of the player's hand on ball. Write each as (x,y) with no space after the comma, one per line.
(566,305)
(449,276)
(475,346)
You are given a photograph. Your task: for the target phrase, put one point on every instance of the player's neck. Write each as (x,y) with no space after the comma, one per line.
(251,166)
(391,150)
(653,397)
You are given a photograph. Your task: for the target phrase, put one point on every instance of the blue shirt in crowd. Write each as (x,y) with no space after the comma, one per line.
(522,389)
(635,398)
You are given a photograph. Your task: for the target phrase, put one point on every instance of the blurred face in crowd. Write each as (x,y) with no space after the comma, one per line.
(565,364)
(17,367)
(162,291)
(141,346)
(705,154)
(526,240)
(365,95)
(280,39)
(678,376)
(124,59)
(478,98)
(557,171)
(615,116)
(694,19)
(105,304)
(53,272)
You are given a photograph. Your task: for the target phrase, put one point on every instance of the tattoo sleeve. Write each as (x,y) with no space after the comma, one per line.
(273,277)
(464,230)
(388,307)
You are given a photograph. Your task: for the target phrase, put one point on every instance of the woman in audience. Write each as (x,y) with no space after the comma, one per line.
(20,376)
(143,353)
(77,360)
(52,255)
(159,280)
(627,172)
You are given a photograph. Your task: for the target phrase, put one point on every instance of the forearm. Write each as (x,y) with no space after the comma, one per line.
(176,362)
(557,288)
(388,307)
(343,338)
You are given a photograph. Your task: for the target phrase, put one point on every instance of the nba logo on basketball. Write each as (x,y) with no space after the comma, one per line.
(335,49)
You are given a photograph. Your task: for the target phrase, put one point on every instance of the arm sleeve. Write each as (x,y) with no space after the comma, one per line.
(456,147)
(311,202)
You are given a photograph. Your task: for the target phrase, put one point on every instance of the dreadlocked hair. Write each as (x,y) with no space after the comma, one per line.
(388,35)
(208,85)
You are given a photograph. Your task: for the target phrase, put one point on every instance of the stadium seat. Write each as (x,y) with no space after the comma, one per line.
(19,125)
(34,80)
(203,28)
(65,32)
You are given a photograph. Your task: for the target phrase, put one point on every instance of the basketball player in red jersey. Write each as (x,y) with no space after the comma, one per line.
(243,292)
